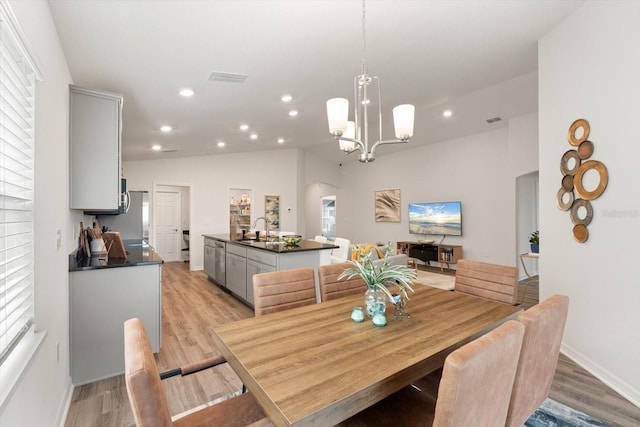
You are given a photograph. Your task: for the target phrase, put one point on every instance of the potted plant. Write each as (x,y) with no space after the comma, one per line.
(534,239)
(379,278)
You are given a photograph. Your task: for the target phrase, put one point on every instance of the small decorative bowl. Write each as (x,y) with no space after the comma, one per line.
(292,239)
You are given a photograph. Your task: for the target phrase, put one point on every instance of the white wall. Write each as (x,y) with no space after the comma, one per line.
(474,170)
(210,178)
(589,67)
(41,395)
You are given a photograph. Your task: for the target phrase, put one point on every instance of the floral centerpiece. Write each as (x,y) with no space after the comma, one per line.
(379,278)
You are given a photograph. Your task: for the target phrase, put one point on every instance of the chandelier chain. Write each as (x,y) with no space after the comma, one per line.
(364,41)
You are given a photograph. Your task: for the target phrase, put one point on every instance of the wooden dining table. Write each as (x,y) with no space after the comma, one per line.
(314,366)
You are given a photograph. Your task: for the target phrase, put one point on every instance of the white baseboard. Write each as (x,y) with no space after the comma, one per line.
(618,385)
(66,404)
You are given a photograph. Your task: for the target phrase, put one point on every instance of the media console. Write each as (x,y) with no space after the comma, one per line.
(427,252)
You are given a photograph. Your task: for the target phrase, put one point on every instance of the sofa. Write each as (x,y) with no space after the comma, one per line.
(376,254)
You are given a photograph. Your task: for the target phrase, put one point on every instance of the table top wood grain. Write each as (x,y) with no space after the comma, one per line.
(314,366)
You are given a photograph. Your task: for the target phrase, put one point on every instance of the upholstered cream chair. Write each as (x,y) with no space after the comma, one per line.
(149,403)
(320,239)
(491,281)
(342,253)
(332,288)
(475,389)
(283,290)
(544,327)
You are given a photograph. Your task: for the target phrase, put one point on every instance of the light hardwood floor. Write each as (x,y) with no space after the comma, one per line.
(192,305)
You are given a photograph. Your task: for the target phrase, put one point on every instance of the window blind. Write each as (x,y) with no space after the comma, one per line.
(17,97)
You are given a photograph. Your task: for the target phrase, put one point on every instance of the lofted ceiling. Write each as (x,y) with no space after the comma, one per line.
(477,58)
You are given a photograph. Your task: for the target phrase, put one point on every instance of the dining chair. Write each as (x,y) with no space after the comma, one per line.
(342,253)
(332,288)
(491,281)
(475,389)
(320,239)
(544,327)
(282,290)
(149,402)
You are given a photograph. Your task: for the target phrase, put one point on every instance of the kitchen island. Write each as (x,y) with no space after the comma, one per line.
(103,293)
(244,258)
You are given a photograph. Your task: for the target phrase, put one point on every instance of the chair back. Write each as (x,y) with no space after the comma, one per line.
(477,379)
(146,396)
(491,281)
(332,288)
(544,327)
(320,239)
(283,290)
(340,254)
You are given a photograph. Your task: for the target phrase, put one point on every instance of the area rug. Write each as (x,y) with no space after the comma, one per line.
(440,281)
(555,414)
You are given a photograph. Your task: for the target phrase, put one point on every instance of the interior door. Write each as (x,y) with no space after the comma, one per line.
(329,217)
(167,205)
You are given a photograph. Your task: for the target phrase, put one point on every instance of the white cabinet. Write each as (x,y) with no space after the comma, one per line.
(236,270)
(100,301)
(95,129)
(258,262)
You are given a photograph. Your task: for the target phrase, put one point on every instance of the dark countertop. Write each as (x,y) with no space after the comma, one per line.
(138,253)
(304,245)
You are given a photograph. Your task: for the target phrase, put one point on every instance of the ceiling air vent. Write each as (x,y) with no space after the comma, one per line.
(169,151)
(493,120)
(218,76)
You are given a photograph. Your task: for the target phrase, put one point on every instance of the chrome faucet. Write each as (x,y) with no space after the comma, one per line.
(266,227)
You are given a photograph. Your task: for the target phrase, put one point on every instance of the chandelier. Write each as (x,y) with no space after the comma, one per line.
(354,135)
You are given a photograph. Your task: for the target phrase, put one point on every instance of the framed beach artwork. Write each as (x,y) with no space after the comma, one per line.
(387,205)
(272,211)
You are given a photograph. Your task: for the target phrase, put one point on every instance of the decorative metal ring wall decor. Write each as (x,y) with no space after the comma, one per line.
(580,233)
(564,162)
(572,180)
(578,124)
(562,205)
(604,179)
(567,182)
(575,214)
(585,150)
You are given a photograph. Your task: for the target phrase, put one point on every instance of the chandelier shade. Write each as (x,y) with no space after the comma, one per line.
(403,120)
(338,113)
(356,136)
(347,145)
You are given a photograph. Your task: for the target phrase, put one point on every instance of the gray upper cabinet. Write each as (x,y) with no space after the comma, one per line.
(95,141)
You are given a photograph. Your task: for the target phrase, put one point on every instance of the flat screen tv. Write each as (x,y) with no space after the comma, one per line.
(442,218)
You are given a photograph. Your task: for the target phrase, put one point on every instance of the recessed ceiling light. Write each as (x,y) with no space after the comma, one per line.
(244,127)
(221,144)
(447,113)
(280,140)
(165,128)
(156,147)
(186,92)
(253,136)
(293,113)
(286,98)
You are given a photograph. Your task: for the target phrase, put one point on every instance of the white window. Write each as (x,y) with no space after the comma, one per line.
(17,92)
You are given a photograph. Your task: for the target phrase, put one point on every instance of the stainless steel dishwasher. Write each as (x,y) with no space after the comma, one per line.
(219,271)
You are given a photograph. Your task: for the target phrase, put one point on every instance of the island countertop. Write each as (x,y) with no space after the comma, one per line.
(138,253)
(274,247)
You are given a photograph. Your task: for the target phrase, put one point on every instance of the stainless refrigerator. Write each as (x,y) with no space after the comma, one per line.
(134,224)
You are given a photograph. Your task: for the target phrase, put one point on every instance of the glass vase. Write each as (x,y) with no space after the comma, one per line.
(374,300)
